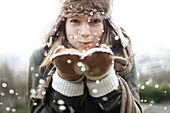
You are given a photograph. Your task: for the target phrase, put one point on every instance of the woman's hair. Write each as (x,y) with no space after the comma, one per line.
(53,38)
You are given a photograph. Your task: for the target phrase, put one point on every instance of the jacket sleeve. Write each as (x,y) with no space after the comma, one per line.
(120,100)
(34,77)
(111,102)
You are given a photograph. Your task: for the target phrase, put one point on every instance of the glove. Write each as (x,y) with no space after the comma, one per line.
(99,62)
(122,65)
(66,61)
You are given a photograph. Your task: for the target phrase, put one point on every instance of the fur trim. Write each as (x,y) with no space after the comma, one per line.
(86,7)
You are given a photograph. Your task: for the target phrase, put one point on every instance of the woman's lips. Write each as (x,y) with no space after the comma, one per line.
(85,44)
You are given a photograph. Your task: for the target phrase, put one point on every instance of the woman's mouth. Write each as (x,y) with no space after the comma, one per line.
(85,44)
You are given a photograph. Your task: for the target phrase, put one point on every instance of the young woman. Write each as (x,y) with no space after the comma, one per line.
(86,66)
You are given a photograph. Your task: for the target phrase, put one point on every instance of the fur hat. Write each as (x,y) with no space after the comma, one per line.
(71,8)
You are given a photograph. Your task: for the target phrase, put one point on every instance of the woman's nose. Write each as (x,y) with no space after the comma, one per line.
(85,30)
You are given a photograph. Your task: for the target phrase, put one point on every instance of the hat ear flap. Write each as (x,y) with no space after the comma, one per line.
(126,43)
(127,52)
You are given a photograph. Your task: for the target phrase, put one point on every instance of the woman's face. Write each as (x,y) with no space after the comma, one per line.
(84,32)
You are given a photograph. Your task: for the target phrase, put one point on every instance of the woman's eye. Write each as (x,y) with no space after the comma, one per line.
(95,21)
(74,21)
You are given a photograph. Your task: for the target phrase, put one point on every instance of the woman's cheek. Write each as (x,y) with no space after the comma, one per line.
(98,31)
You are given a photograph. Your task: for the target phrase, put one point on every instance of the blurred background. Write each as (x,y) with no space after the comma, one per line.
(23,22)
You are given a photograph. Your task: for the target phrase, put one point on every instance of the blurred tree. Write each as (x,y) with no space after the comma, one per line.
(12,84)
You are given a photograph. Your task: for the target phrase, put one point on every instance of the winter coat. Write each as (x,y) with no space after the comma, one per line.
(118,101)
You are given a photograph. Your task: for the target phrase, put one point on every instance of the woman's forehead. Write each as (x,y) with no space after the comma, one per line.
(88,17)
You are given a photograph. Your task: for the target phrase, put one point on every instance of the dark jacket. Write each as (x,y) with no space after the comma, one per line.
(81,104)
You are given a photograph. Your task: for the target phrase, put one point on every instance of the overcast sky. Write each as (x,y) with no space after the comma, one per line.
(22,23)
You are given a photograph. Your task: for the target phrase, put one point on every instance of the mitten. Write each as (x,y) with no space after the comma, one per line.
(98,62)
(66,80)
(66,61)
